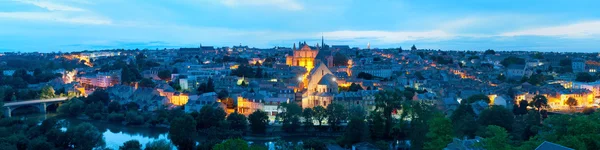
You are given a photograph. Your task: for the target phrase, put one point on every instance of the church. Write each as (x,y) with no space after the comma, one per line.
(319,84)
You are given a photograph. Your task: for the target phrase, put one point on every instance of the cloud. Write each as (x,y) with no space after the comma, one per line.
(282,4)
(56,13)
(55,17)
(388,36)
(576,30)
(51,6)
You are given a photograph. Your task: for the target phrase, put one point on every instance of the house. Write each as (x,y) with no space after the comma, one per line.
(515,71)
(249,102)
(465,144)
(501,100)
(479,106)
(196,102)
(578,65)
(551,146)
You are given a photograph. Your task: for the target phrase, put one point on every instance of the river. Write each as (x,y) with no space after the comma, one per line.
(116,134)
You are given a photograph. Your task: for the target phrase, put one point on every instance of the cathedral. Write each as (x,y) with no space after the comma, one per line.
(319,84)
(321,87)
(304,57)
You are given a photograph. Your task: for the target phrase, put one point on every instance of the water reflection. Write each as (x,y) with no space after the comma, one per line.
(116,134)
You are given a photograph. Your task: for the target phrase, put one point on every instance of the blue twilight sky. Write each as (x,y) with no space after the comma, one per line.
(72,25)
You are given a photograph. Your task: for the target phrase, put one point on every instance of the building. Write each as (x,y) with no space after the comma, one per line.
(100,79)
(247,103)
(384,71)
(578,65)
(363,98)
(551,146)
(591,86)
(196,102)
(321,87)
(515,71)
(304,57)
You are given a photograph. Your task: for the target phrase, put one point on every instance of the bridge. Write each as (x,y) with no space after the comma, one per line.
(41,104)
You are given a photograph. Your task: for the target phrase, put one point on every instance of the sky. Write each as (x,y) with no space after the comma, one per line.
(75,25)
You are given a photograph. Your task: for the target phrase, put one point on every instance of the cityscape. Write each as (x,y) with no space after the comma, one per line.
(70,86)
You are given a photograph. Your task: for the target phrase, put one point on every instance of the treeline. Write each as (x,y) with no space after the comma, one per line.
(15,87)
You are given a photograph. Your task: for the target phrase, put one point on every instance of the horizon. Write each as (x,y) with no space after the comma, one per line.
(78,25)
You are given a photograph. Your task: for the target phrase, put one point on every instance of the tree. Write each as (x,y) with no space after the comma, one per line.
(440,133)
(355,87)
(210,117)
(232,144)
(314,144)
(40,143)
(320,113)
(501,77)
(388,102)
(308,114)
(158,145)
(183,131)
(419,75)
(131,145)
(237,121)
(489,52)
(290,116)
(478,97)
(258,122)
(114,106)
(584,77)
(72,107)
(512,60)
(210,86)
(420,114)
(164,74)
(522,107)
(259,72)
(413,47)
(463,121)
(336,113)
(85,136)
(340,59)
(47,92)
(540,101)
(572,102)
(496,138)
(365,76)
(223,94)
(146,83)
(356,131)
(497,115)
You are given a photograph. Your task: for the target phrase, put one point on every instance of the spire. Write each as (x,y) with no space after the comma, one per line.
(322,40)
(294,46)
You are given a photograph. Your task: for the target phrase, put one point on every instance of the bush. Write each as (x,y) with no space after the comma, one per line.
(315,144)
(133,118)
(116,117)
(97,116)
(588,110)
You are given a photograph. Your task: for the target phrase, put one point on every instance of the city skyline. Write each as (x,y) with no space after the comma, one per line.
(73,25)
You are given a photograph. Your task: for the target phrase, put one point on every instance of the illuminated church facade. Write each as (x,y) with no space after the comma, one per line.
(304,57)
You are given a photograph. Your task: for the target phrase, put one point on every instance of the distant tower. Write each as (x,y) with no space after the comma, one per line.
(322,40)
(369,45)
